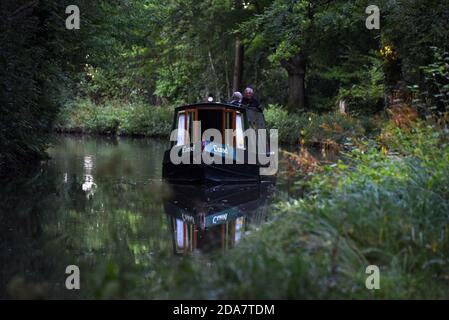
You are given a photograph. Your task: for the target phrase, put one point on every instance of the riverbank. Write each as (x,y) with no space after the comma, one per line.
(113,118)
(138,119)
(386,205)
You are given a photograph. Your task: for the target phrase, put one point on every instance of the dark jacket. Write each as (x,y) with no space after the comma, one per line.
(236,102)
(252,103)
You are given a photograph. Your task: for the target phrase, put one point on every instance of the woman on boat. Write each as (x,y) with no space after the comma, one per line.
(236,98)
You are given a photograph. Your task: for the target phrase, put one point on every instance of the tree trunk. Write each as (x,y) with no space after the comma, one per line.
(238,66)
(296,70)
(342,106)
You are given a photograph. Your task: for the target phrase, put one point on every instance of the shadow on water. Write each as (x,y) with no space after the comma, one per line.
(100,200)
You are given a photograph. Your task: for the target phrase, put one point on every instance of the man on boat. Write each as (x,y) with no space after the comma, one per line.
(249,100)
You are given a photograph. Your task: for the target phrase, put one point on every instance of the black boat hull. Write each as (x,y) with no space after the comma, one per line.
(216,173)
(223,173)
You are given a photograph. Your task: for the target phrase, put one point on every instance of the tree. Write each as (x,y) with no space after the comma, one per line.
(39,61)
(411,28)
(288,29)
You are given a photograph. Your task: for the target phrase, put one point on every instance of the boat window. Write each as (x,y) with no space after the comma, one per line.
(240,143)
(181,127)
(239,224)
(229,123)
(182,240)
(190,119)
(210,119)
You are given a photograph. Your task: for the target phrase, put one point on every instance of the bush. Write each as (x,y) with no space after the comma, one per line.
(432,98)
(148,121)
(312,128)
(115,118)
(288,126)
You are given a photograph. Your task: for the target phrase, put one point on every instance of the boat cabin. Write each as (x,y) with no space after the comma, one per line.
(216,116)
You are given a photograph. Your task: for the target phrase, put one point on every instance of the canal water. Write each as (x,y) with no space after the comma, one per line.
(101,199)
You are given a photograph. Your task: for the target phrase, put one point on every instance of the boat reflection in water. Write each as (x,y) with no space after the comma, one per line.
(206,218)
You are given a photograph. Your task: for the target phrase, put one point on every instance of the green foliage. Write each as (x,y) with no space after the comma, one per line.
(413,27)
(122,56)
(39,67)
(334,127)
(288,126)
(433,97)
(363,90)
(114,117)
(312,128)
(311,30)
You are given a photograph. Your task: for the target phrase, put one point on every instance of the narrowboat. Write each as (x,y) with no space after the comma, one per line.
(219,143)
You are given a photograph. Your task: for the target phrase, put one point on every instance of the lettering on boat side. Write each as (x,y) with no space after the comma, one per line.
(251,147)
(186,149)
(188,218)
(220,149)
(221,217)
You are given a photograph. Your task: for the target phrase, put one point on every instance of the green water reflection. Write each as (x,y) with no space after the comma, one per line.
(100,200)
